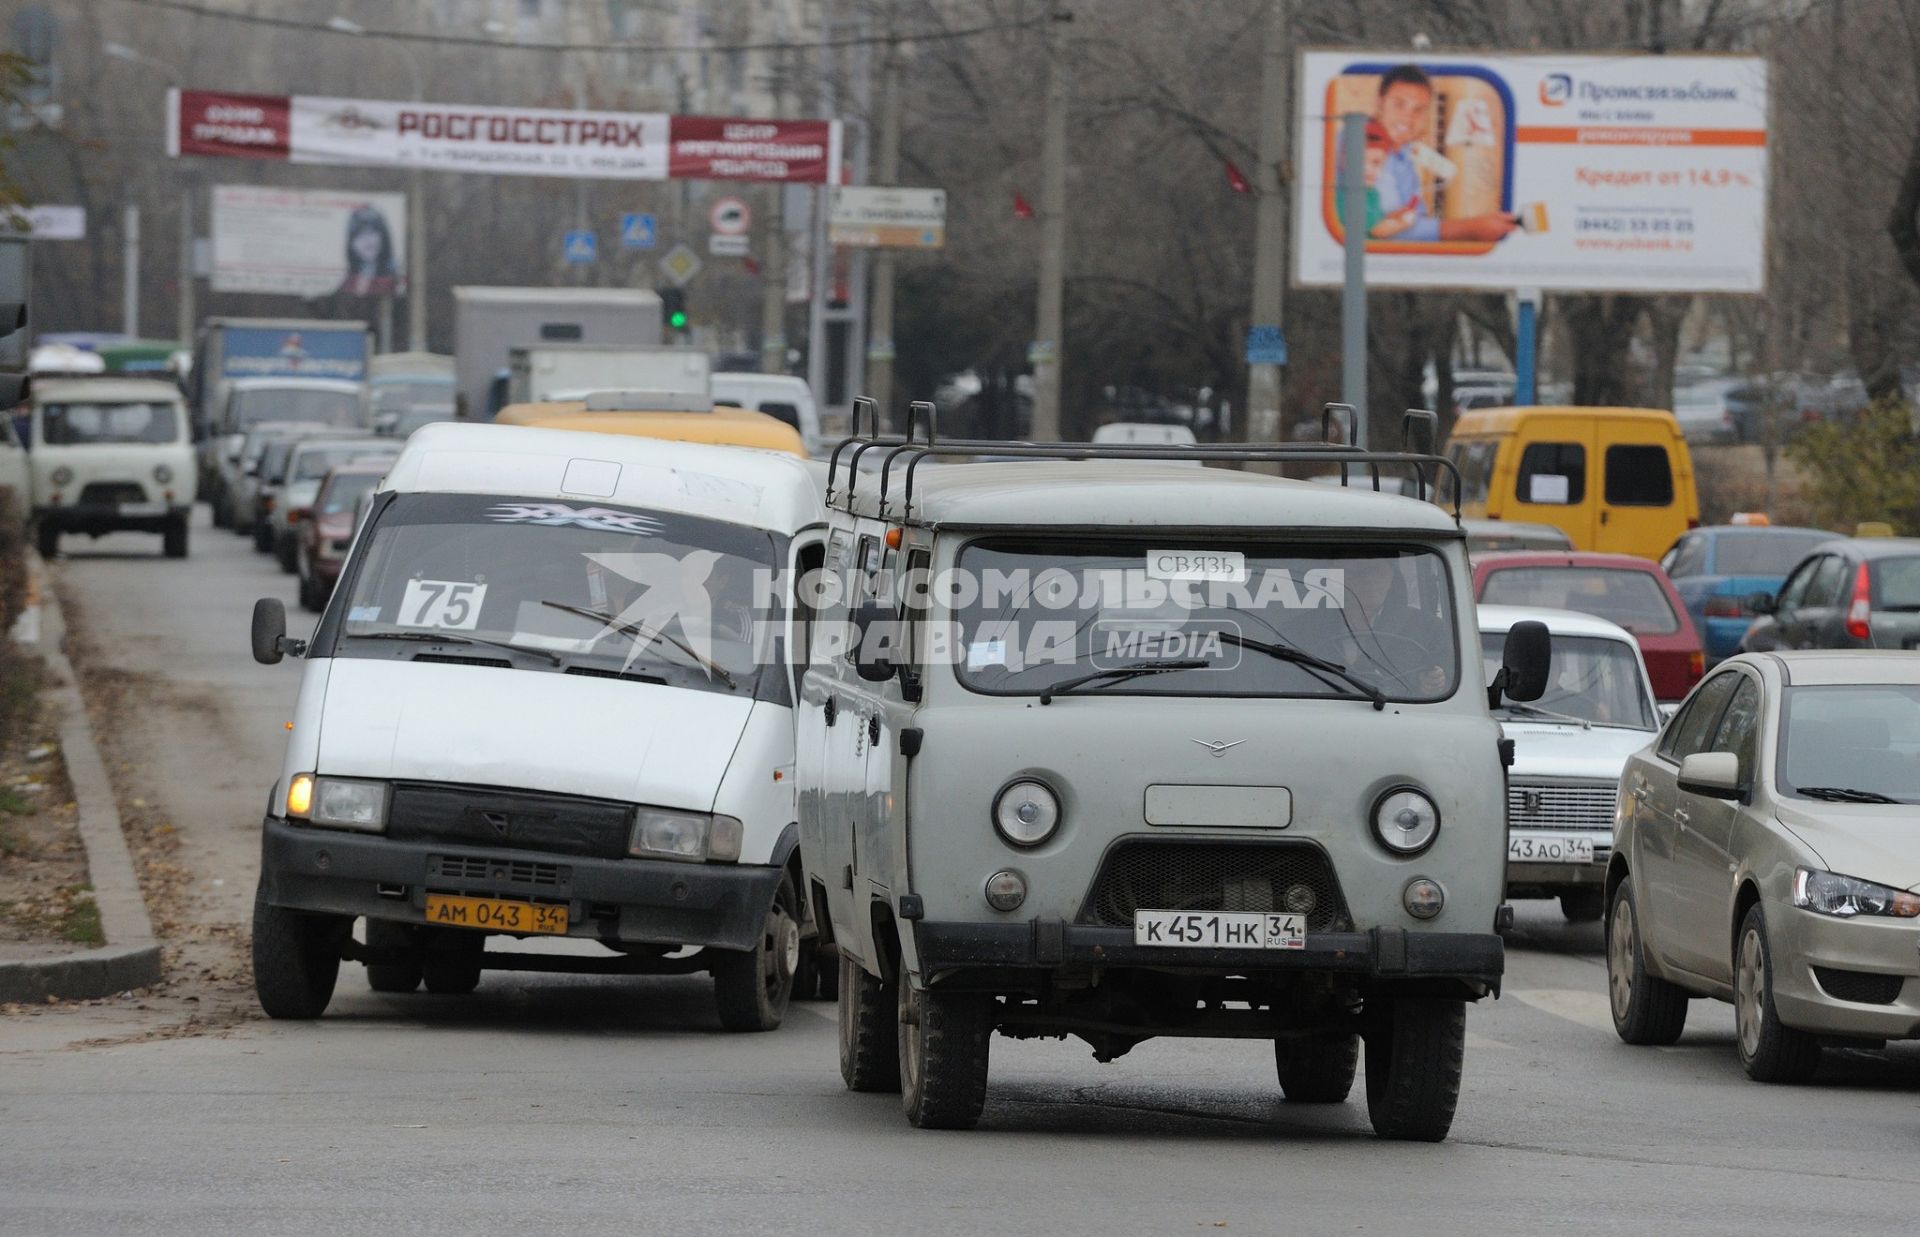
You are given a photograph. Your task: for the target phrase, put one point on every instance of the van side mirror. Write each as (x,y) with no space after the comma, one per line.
(1525,661)
(1713,774)
(270,641)
(1761,603)
(874,633)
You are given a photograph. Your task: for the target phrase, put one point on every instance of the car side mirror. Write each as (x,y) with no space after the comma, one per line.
(270,641)
(1761,603)
(874,634)
(1525,661)
(1713,774)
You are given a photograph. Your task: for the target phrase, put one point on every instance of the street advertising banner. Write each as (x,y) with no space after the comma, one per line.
(1625,173)
(502,141)
(887,218)
(309,242)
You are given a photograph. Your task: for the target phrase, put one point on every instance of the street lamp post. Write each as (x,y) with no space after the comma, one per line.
(416,201)
(185,311)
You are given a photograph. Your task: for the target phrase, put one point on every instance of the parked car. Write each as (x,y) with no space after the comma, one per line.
(1618,480)
(1569,748)
(327,532)
(784,397)
(1766,856)
(1621,588)
(1716,570)
(307,466)
(244,507)
(1491,536)
(1850,593)
(250,401)
(106,455)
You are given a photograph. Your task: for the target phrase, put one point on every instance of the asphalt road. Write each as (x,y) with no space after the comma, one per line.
(566,1104)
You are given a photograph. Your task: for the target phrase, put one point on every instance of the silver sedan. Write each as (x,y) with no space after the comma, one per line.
(1767,853)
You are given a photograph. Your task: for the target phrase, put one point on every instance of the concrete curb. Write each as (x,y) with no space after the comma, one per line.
(131,959)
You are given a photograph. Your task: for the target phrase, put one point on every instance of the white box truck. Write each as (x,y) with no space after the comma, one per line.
(489,323)
(571,371)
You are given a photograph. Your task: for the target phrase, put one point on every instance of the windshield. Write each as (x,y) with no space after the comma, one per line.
(1632,599)
(1762,554)
(72,425)
(345,490)
(273,460)
(340,408)
(1860,737)
(315,462)
(1035,614)
(1593,680)
(597,589)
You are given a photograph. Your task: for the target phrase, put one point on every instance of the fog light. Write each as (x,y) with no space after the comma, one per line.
(1424,898)
(1300,899)
(1006,891)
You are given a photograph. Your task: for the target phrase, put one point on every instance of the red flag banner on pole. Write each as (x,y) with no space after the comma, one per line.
(1022,209)
(1235,178)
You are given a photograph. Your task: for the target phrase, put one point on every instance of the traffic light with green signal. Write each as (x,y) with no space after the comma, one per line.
(673,308)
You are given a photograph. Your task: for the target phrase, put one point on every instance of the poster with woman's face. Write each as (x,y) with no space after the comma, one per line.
(309,243)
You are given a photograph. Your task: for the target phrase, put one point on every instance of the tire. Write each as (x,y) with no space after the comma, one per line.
(1646,1008)
(869,1029)
(1583,905)
(943,1040)
(397,977)
(1414,1058)
(222,513)
(47,540)
(173,541)
(263,536)
(287,551)
(751,987)
(826,966)
(296,959)
(452,977)
(313,594)
(1770,1050)
(1317,1070)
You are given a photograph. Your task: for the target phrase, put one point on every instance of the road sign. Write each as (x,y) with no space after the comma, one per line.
(638,232)
(680,265)
(721,245)
(729,217)
(582,248)
(1266,346)
(888,218)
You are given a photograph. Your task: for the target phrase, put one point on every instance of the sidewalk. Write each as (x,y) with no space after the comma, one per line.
(131,957)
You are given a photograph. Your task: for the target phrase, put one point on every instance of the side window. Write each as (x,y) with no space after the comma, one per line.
(912,588)
(1552,473)
(1824,590)
(1794,592)
(1687,558)
(787,414)
(1739,730)
(832,616)
(1694,728)
(1638,476)
(1475,462)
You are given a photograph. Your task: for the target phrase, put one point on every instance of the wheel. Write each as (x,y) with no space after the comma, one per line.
(751,987)
(47,540)
(287,551)
(1414,1057)
(313,594)
(1318,1069)
(1583,905)
(869,1029)
(173,541)
(1771,1051)
(393,976)
(943,1041)
(240,528)
(263,536)
(452,976)
(1646,1008)
(222,513)
(296,959)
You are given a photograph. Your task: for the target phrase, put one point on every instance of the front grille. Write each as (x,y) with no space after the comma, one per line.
(477,869)
(1205,875)
(480,816)
(1544,806)
(1864,987)
(113,492)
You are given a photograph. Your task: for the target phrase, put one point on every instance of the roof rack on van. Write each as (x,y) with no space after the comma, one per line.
(921,441)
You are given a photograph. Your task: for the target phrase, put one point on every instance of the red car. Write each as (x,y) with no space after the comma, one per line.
(326,528)
(1621,588)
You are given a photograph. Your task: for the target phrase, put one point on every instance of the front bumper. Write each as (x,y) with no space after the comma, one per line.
(1874,947)
(1380,953)
(110,517)
(637,901)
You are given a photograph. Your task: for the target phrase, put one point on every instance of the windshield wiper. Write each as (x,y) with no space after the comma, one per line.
(1844,794)
(1120,674)
(1300,657)
(429,637)
(616,623)
(1534,710)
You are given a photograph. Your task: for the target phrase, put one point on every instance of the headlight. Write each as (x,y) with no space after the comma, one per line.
(162,473)
(346,803)
(1845,896)
(1026,812)
(690,837)
(1405,821)
(61,475)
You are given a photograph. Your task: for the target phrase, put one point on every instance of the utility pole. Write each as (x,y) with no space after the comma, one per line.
(186,311)
(773,304)
(130,271)
(1045,352)
(886,172)
(1263,415)
(821,260)
(1353,295)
